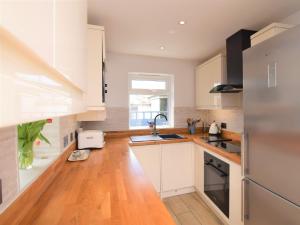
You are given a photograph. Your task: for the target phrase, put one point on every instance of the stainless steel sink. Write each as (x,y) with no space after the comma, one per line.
(145,138)
(160,137)
(170,136)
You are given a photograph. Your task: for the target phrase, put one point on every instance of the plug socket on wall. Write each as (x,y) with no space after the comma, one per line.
(71,136)
(66,141)
(223,125)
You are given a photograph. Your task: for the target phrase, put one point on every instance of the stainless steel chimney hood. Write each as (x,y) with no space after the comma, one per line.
(235,45)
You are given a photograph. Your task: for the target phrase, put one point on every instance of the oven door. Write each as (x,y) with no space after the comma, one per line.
(216,182)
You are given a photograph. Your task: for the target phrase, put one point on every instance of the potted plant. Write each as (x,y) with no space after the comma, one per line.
(28,133)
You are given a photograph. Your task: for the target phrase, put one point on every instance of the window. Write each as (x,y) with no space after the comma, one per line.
(149,95)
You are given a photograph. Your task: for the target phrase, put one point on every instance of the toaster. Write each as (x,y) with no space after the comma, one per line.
(90,139)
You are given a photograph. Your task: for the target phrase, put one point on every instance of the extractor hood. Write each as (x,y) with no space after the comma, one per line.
(235,45)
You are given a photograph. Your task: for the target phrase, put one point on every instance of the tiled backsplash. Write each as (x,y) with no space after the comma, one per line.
(68,125)
(8,165)
(233,118)
(9,172)
(117,118)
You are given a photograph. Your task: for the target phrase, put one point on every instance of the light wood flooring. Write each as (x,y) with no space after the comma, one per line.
(189,209)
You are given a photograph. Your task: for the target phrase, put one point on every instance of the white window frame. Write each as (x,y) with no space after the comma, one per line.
(169,91)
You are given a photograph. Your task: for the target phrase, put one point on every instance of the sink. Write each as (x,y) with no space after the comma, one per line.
(143,138)
(170,136)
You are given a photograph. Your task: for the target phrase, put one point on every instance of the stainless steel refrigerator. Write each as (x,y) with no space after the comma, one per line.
(271,158)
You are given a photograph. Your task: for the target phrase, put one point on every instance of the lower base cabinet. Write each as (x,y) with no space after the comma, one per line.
(149,157)
(199,168)
(170,167)
(235,188)
(177,166)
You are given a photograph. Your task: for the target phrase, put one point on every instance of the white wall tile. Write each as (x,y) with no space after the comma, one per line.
(8,165)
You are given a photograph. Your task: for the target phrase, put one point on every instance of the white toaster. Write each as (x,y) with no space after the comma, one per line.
(90,139)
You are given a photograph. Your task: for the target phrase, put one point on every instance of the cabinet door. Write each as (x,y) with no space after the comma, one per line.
(208,75)
(177,166)
(71,40)
(95,43)
(32,23)
(199,168)
(149,157)
(235,194)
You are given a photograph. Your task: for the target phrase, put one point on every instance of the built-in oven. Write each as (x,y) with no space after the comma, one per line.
(216,182)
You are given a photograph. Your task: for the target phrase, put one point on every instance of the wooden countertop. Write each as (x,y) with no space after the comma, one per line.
(196,139)
(109,188)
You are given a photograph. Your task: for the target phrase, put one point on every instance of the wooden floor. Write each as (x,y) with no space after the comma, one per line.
(189,209)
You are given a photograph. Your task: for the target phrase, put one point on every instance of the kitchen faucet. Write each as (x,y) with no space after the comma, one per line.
(154,130)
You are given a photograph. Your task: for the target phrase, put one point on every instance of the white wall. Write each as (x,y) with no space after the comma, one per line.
(117,68)
(119,65)
(292,19)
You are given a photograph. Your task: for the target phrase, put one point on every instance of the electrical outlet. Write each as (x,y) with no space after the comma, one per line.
(1,192)
(223,125)
(66,141)
(71,137)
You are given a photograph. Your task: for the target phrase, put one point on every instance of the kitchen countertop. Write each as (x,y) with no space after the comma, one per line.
(196,139)
(109,188)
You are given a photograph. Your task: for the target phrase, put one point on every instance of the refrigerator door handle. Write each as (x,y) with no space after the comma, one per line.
(245,200)
(242,198)
(245,157)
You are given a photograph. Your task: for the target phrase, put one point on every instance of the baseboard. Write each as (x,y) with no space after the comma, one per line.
(175,192)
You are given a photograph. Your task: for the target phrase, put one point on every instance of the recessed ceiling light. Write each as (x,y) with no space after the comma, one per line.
(181,22)
(162,48)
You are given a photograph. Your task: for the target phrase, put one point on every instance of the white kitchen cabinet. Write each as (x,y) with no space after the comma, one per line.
(32,22)
(31,90)
(199,168)
(94,94)
(149,157)
(235,194)
(177,166)
(269,32)
(235,187)
(70,49)
(53,29)
(95,61)
(208,75)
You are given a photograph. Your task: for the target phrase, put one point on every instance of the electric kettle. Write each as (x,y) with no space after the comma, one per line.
(214,129)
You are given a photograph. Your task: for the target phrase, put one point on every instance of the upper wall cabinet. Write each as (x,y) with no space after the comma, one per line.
(95,94)
(32,22)
(54,29)
(42,59)
(29,88)
(70,49)
(269,32)
(209,74)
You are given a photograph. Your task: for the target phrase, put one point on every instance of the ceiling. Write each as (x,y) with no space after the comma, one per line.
(141,27)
